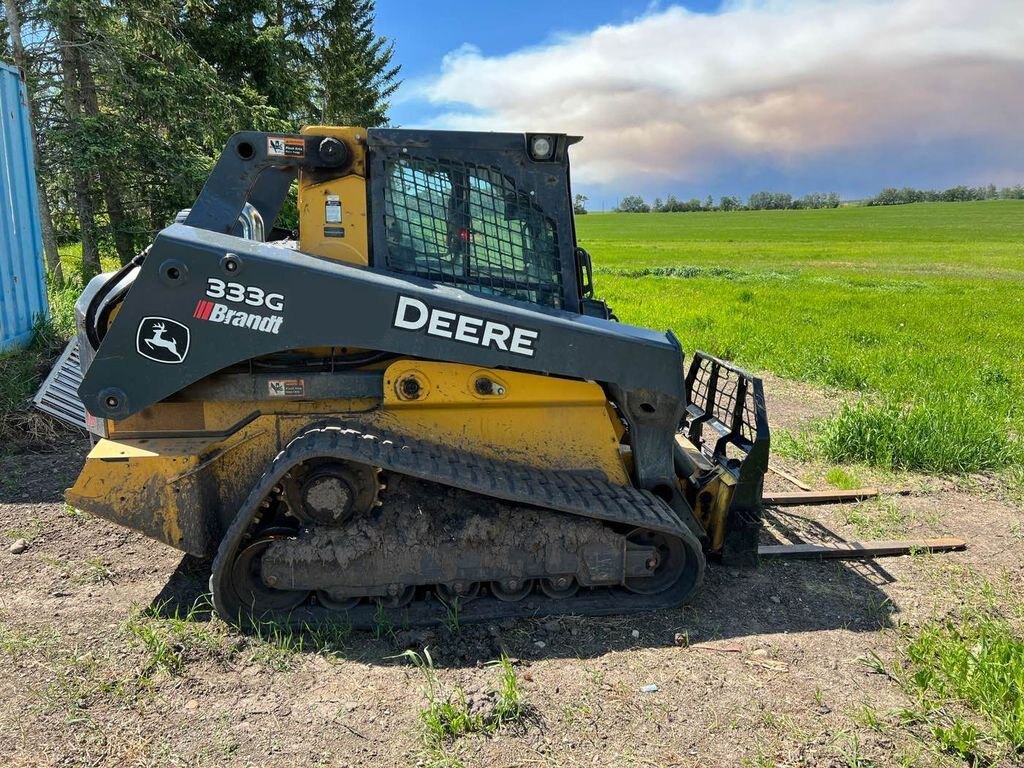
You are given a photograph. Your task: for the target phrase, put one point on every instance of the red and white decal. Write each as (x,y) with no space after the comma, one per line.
(215,312)
(203,310)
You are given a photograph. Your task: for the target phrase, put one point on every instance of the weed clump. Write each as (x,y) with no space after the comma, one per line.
(966,677)
(21,371)
(451,714)
(930,436)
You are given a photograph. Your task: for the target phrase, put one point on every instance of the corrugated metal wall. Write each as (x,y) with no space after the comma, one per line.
(22,285)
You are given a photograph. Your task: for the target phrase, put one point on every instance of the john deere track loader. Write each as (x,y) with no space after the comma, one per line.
(419,402)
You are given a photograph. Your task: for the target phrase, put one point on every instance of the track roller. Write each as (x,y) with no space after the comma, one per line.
(559,587)
(511,590)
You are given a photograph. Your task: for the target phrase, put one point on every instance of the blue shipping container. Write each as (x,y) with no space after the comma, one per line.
(22,282)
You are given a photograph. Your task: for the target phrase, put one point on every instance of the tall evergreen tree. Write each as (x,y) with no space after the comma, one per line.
(137,97)
(5,48)
(10,26)
(351,65)
(248,44)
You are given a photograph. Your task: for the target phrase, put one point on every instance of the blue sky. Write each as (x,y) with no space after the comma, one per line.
(703,97)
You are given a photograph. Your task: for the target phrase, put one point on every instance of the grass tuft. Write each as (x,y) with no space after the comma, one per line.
(842,478)
(965,677)
(277,643)
(932,437)
(449,714)
(170,637)
(510,706)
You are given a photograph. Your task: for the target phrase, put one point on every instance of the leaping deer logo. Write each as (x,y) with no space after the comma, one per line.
(158,340)
(162,340)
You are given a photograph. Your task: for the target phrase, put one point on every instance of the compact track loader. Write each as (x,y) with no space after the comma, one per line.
(417,403)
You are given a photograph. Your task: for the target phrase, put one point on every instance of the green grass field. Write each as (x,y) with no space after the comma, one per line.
(920,308)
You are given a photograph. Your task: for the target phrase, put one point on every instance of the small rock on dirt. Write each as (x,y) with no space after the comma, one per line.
(652,688)
(192,704)
(775,599)
(19,546)
(636,634)
(551,627)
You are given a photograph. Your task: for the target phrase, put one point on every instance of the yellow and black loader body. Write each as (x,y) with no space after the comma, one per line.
(421,397)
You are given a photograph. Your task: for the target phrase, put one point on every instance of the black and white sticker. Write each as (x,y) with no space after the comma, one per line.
(285,146)
(162,340)
(332,210)
(286,388)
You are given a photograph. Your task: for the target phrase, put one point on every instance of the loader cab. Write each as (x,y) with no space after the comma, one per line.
(488,213)
(470,216)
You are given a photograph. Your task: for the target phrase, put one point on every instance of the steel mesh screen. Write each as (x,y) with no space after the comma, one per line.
(468,225)
(715,389)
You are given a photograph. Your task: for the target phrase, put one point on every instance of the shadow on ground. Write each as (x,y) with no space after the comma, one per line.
(778,597)
(33,477)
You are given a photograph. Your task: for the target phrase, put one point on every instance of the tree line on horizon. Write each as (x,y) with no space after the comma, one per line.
(958,194)
(769,201)
(132,100)
(758,201)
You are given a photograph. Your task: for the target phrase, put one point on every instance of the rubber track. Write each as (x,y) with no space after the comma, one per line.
(578,493)
(575,492)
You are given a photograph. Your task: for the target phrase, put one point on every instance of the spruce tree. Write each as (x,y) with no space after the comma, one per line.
(349,63)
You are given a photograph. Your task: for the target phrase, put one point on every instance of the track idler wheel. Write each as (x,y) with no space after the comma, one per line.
(665,567)
(399,597)
(333,603)
(248,583)
(459,590)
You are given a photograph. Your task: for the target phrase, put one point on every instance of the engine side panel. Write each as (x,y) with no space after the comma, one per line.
(179,470)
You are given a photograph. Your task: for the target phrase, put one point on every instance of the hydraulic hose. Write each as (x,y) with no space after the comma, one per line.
(93,331)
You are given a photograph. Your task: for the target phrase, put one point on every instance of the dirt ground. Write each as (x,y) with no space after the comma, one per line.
(763,668)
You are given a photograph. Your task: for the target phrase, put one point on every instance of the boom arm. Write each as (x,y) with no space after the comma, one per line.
(224,300)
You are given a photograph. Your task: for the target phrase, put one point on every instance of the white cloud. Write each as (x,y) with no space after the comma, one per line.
(673,94)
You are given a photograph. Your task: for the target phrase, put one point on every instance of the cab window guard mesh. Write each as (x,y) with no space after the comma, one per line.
(469,226)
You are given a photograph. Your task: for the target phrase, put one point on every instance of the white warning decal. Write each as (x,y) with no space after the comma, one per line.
(285,146)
